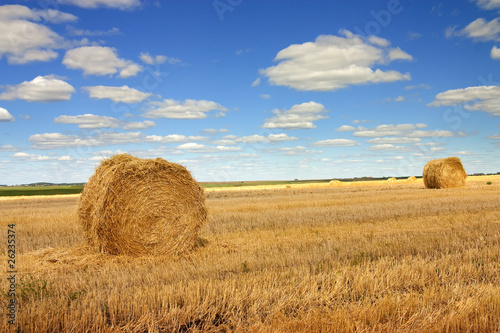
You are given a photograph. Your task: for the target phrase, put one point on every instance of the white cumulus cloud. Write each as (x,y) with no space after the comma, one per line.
(90,121)
(297,151)
(158,59)
(345,128)
(189,109)
(402,130)
(495,53)
(5,115)
(386,147)
(40,158)
(335,143)
(299,116)
(480,98)
(335,62)
(100,60)
(488,4)
(192,147)
(22,40)
(480,30)
(393,140)
(40,89)
(122,94)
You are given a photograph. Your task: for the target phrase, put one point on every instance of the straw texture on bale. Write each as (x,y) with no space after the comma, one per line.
(444,173)
(141,206)
(391,180)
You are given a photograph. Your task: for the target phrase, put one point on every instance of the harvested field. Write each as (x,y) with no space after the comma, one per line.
(364,257)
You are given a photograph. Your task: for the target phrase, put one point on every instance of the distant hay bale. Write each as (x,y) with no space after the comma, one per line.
(335,183)
(391,180)
(412,179)
(141,206)
(444,173)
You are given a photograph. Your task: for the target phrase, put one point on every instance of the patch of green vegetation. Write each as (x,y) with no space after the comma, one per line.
(30,287)
(39,190)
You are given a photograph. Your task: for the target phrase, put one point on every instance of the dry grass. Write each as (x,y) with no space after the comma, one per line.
(141,206)
(352,258)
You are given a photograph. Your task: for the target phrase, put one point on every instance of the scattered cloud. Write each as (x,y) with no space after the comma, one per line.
(8,148)
(230,140)
(386,147)
(418,86)
(90,121)
(17,40)
(488,4)
(402,130)
(357,121)
(271,138)
(174,138)
(265,96)
(40,89)
(189,109)
(158,59)
(335,143)
(122,94)
(480,98)
(396,99)
(335,62)
(478,30)
(115,4)
(100,60)
(39,158)
(299,116)
(345,128)
(243,51)
(5,115)
(192,147)
(298,151)
(398,54)
(412,35)
(495,53)
(215,131)
(256,82)
(394,140)
(72,31)
(63,141)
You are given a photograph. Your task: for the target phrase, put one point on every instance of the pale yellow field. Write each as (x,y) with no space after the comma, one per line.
(391,257)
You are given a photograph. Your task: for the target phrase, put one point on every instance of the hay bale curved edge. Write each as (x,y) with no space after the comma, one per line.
(141,206)
(444,173)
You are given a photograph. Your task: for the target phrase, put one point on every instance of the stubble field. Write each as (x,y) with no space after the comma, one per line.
(384,257)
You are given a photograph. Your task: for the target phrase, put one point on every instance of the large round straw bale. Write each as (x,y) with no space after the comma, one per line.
(391,180)
(444,173)
(335,182)
(141,206)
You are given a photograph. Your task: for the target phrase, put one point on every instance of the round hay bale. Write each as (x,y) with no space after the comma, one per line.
(335,183)
(391,180)
(412,179)
(141,206)
(444,173)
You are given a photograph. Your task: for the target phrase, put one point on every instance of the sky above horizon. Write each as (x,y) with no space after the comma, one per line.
(248,90)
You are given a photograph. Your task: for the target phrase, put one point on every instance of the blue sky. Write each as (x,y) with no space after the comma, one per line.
(248,90)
